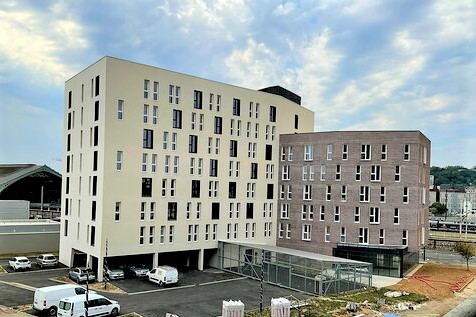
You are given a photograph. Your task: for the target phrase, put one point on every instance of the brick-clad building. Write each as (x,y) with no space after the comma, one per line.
(361,195)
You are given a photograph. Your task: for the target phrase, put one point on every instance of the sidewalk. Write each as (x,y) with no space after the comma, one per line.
(6,311)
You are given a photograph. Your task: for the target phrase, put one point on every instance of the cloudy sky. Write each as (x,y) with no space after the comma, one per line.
(360,65)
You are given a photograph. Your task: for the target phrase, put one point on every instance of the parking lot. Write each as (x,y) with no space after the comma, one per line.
(34,266)
(199,293)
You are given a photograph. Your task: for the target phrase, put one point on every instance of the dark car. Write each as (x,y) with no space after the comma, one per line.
(136,270)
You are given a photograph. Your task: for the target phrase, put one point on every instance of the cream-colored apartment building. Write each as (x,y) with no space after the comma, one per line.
(160,166)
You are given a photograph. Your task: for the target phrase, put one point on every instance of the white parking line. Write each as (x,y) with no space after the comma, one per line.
(223,281)
(162,289)
(20,285)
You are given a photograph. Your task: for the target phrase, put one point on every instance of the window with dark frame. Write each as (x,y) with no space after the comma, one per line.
(192,143)
(233,148)
(215,211)
(95,160)
(147,139)
(197,99)
(146,187)
(236,107)
(270,191)
(232,190)
(172,211)
(269,152)
(195,189)
(272,113)
(254,170)
(177,119)
(218,125)
(213,168)
(96,110)
(93,210)
(96,135)
(249,210)
(97,86)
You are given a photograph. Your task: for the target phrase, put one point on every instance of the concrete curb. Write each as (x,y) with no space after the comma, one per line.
(464,309)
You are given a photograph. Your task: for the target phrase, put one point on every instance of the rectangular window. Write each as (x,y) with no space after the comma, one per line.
(322,213)
(162,234)
(233,148)
(93,210)
(345,151)
(272,113)
(119,155)
(268,156)
(323,173)
(364,196)
(306,232)
(231,189)
(171,234)
(270,191)
(156,90)
(358,173)
(284,211)
(397,173)
(406,196)
(329,152)
(343,237)
(290,192)
(200,121)
(141,235)
(172,211)
(343,193)
(406,152)
(337,214)
(146,88)
(296,121)
(146,187)
(215,211)
(172,187)
(218,125)
(147,139)
(152,211)
(375,175)
(197,99)
(308,152)
(195,189)
(177,119)
(218,103)
(307,192)
(256,130)
(155,114)
(405,237)
(96,90)
(254,170)
(396,216)
(165,140)
(70,99)
(327,234)
(381,237)
(192,144)
(383,154)
(236,107)
(382,194)
(117,211)
(120,109)
(151,234)
(167,164)
(285,172)
(338,172)
(290,153)
(357,215)
(374,215)
(96,136)
(153,167)
(288,231)
(210,106)
(145,116)
(144,162)
(363,235)
(176,165)
(425,155)
(213,168)
(328,192)
(366,152)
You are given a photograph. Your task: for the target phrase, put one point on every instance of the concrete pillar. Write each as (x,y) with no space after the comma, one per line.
(155,260)
(100,272)
(201,254)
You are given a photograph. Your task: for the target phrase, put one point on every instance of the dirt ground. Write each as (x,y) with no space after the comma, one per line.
(437,281)
(445,285)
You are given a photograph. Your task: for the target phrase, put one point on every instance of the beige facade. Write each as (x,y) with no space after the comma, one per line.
(355,188)
(157,161)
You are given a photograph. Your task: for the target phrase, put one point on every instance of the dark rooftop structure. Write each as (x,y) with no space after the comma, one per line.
(29,182)
(283,92)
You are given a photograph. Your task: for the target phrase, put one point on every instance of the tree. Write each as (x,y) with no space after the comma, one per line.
(466,250)
(438,208)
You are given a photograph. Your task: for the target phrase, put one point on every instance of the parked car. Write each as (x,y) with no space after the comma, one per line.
(136,270)
(163,275)
(46,260)
(98,306)
(113,273)
(19,263)
(81,274)
(47,299)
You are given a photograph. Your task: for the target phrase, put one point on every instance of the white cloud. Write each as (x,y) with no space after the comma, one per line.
(284,9)
(35,42)
(457,20)
(377,122)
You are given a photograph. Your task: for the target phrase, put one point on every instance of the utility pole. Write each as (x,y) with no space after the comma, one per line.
(261,284)
(87,292)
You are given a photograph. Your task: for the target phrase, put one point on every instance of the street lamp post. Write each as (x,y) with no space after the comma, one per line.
(87,292)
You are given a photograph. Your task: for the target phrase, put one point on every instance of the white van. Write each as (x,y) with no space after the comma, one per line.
(46,299)
(98,306)
(163,275)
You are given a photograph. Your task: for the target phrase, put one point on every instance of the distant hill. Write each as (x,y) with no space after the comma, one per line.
(457,176)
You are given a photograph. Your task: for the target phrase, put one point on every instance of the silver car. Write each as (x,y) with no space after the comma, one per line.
(81,274)
(113,273)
